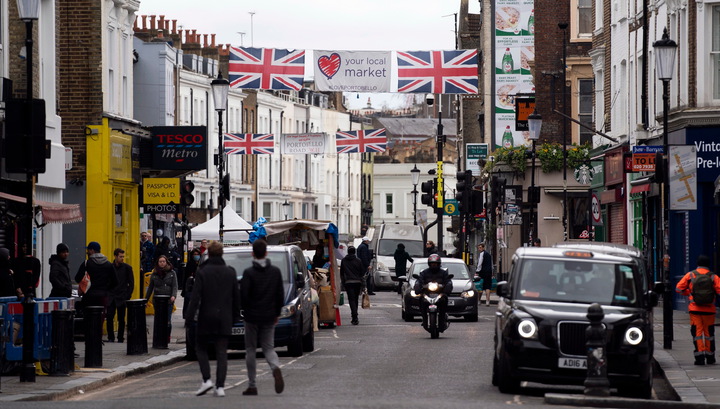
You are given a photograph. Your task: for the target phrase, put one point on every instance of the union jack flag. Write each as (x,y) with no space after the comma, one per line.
(249,143)
(266,68)
(369,140)
(439,72)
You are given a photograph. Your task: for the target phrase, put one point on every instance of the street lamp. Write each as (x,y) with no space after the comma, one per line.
(286,208)
(29,11)
(534,123)
(220,88)
(415,173)
(665,49)
(210,207)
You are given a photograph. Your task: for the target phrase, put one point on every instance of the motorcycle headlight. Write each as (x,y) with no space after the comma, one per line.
(527,329)
(633,336)
(433,286)
(288,310)
(467,294)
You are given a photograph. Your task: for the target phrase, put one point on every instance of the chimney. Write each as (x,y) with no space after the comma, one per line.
(205,39)
(161,22)
(174,26)
(160,34)
(152,22)
(196,38)
(188,39)
(144,21)
(212,36)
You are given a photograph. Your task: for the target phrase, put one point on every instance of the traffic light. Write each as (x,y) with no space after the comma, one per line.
(476,202)
(225,187)
(659,176)
(463,189)
(498,190)
(186,196)
(428,190)
(533,194)
(25,127)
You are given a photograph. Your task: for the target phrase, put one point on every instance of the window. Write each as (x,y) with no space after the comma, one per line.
(582,20)
(239,206)
(585,109)
(388,203)
(715,52)
(267,211)
(578,217)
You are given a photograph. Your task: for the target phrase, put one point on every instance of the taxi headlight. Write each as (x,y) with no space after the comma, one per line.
(433,286)
(287,311)
(467,294)
(633,336)
(527,328)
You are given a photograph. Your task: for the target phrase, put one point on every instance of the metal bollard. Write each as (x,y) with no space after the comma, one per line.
(160,322)
(27,372)
(136,327)
(62,357)
(2,345)
(93,336)
(596,383)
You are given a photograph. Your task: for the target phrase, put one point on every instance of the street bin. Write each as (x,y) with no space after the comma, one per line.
(136,327)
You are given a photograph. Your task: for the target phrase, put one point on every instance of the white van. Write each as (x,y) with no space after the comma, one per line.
(383,245)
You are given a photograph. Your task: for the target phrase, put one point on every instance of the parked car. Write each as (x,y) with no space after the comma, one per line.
(542,317)
(383,244)
(294,329)
(463,300)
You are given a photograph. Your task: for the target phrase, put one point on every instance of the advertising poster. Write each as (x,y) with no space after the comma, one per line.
(683,177)
(302,144)
(514,48)
(352,71)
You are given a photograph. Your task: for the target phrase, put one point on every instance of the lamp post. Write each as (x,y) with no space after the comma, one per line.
(534,123)
(220,88)
(415,173)
(563,86)
(29,11)
(286,208)
(211,199)
(665,49)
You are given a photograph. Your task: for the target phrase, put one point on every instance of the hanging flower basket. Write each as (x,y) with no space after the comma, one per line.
(516,157)
(550,155)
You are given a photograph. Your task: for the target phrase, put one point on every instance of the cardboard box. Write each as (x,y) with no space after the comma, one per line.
(327,311)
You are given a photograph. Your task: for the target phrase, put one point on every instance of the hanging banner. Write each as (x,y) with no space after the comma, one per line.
(439,72)
(302,143)
(352,71)
(249,143)
(368,140)
(682,165)
(266,68)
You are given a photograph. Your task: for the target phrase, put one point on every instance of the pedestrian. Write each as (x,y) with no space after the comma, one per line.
(203,250)
(319,259)
(701,285)
(119,295)
(190,269)
(7,284)
(27,272)
(262,297)
(102,277)
(484,271)
(537,242)
(60,272)
(147,252)
(352,276)
(430,248)
(216,302)
(163,281)
(363,253)
(401,259)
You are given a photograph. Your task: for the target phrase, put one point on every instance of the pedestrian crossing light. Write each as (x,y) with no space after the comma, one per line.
(186,196)
(428,190)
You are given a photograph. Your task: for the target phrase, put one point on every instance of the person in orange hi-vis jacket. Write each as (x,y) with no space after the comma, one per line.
(702,316)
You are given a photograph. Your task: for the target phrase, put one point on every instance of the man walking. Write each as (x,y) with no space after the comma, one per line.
(484,270)
(147,252)
(701,285)
(363,253)
(352,274)
(119,295)
(262,297)
(216,300)
(102,276)
(60,272)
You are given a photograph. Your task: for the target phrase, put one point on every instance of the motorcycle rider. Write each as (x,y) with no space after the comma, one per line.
(440,276)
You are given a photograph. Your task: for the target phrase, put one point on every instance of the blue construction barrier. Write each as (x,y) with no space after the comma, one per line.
(12,328)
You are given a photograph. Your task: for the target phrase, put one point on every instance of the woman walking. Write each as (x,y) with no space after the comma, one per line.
(163,281)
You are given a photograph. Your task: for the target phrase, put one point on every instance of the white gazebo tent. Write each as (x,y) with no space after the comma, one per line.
(235,228)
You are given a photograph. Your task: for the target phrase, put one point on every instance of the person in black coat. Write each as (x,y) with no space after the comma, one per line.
(363,253)
(319,259)
(26,272)
(440,276)
(60,272)
(102,277)
(401,258)
(119,295)
(352,276)
(216,300)
(7,284)
(262,296)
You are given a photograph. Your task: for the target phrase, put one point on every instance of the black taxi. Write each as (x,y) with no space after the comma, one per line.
(542,317)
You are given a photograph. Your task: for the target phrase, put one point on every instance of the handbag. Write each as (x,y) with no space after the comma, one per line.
(84,284)
(365,300)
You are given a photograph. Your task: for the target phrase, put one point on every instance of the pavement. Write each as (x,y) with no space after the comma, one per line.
(694,386)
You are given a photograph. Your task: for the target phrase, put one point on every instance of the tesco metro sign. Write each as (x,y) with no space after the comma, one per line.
(179,147)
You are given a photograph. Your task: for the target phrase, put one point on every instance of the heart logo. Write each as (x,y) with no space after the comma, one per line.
(329,66)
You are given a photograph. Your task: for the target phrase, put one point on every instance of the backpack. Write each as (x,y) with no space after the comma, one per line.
(703,288)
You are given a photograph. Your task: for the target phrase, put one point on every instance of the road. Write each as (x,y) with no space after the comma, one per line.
(383,362)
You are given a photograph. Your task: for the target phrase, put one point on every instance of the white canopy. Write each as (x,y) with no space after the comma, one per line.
(235,228)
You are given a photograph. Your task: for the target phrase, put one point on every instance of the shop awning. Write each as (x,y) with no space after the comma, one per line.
(570,190)
(51,212)
(640,188)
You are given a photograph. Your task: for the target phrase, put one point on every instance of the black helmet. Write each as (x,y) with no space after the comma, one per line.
(434,258)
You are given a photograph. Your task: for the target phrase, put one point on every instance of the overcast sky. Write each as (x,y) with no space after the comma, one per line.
(377,25)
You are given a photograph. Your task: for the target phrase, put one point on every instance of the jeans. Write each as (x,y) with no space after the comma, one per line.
(264,334)
(353,292)
(112,307)
(221,345)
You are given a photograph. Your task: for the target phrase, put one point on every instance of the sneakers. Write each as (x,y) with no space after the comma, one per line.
(699,360)
(709,359)
(251,390)
(354,322)
(204,388)
(279,383)
(220,392)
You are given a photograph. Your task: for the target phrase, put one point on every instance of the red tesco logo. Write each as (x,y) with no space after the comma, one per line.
(181,139)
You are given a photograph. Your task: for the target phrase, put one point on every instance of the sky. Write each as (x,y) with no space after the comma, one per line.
(371,25)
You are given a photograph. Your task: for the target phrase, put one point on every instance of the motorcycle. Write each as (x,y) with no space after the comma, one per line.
(432,293)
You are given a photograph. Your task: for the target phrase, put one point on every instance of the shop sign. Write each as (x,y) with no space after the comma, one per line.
(179,147)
